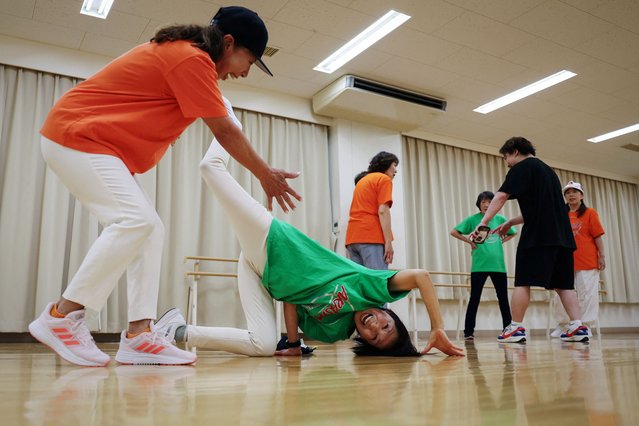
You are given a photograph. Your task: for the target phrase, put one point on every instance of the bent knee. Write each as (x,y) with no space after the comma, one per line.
(263,346)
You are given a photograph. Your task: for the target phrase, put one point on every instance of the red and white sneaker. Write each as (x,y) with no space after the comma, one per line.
(69,337)
(152,348)
(576,333)
(512,334)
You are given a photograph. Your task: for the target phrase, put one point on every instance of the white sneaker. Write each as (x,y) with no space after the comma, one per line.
(512,334)
(151,348)
(69,337)
(168,323)
(557,332)
(576,333)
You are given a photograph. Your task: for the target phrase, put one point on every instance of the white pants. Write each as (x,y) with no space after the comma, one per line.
(251,223)
(133,234)
(587,287)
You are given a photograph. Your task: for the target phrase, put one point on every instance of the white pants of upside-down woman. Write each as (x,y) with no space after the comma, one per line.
(251,223)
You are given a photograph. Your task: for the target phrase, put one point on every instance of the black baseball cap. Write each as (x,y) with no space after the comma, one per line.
(247,29)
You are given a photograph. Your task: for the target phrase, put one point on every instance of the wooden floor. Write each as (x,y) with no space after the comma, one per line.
(541,383)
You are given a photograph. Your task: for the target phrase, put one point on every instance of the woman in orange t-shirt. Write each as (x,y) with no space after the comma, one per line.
(119,123)
(589,257)
(369,239)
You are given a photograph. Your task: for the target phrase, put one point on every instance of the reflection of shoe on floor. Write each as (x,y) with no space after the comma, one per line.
(151,348)
(580,351)
(169,323)
(79,388)
(152,376)
(69,337)
(513,334)
(469,338)
(150,390)
(576,333)
(513,353)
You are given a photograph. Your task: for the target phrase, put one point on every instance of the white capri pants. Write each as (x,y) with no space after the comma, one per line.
(251,223)
(132,237)
(587,287)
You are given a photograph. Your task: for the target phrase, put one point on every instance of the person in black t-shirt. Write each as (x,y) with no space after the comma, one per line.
(546,245)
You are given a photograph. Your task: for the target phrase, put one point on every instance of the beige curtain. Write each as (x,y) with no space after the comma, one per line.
(441,186)
(44,233)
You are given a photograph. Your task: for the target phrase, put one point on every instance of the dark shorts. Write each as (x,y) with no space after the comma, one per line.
(548,267)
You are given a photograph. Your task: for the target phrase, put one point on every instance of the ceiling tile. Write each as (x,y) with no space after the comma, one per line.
(21,8)
(561,23)
(483,34)
(617,47)
(119,25)
(480,66)
(431,50)
(41,31)
(500,10)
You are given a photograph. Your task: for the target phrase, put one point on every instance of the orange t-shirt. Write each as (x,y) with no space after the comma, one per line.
(371,191)
(585,229)
(139,104)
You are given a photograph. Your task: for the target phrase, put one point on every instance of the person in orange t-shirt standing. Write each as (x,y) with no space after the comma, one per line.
(369,239)
(589,257)
(119,123)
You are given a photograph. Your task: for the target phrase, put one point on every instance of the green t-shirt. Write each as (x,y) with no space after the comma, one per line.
(489,256)
(327,288)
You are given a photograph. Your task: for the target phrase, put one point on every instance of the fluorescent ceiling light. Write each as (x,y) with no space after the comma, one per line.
(362,41)
(525,91)
(614,134)
(96,8)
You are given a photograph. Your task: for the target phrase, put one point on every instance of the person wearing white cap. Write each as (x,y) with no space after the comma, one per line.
(589,257)
(119,123)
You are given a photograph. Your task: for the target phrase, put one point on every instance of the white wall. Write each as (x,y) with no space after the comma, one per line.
(352,145)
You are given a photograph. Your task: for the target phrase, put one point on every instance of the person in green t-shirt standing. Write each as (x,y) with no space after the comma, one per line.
(488,261)
(328,296)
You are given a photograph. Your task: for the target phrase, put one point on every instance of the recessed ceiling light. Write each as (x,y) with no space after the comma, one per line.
(525,91)
(614,134)
(362,41)
(96,8)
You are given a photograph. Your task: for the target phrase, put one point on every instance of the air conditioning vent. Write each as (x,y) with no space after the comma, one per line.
(401,94)
(359,99)
(269,51)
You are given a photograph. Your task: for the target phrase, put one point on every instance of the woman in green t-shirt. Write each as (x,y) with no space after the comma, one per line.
(326,295)
(488,261)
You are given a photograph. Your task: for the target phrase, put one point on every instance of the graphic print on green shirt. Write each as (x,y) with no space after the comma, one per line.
(327,288)
(489,256)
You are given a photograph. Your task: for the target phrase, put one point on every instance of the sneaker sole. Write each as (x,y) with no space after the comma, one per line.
(135,359)
(575,339)
(519,339)
(44,336)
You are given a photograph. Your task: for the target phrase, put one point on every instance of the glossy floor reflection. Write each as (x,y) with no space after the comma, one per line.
(541,383)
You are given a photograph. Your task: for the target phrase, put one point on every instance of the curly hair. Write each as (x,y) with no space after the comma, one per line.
(403,347)
(518,143)
(208,38)
(382,161)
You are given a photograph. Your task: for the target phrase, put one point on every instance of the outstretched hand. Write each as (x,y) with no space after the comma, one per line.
(439,340)
(501,230)
(289,352)
(275,185)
